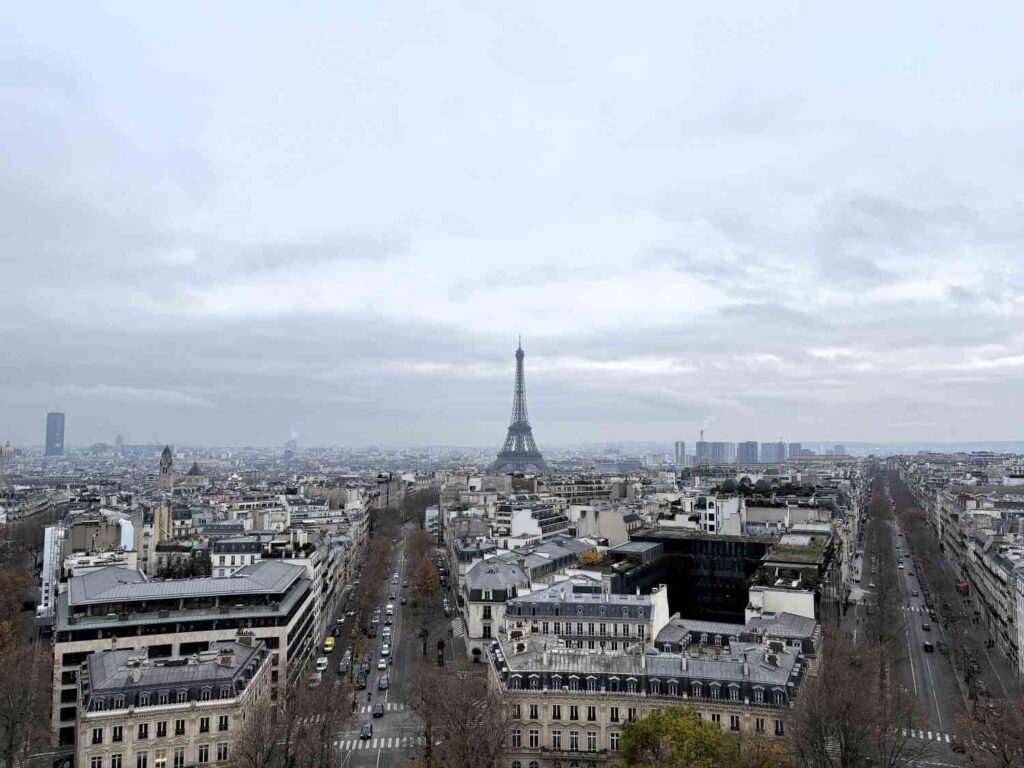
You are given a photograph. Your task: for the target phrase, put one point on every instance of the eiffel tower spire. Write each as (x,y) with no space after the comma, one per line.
(519,453)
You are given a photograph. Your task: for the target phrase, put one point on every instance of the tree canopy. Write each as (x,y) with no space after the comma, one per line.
(676,737)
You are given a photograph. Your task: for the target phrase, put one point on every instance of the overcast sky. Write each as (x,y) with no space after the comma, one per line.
(232,223)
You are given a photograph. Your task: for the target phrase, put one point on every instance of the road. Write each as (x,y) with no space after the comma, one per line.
(397,734)
(930,675)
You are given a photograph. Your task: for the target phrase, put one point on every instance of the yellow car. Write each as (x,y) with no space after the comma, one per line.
(328,645)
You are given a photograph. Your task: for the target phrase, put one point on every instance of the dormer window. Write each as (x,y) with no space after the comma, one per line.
(182,697)
(579,610)
(225,692)
(144,699)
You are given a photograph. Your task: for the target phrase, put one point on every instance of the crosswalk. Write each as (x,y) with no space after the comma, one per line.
(385,742)
(915,609)
(389,707)
(928,735)
(458,630)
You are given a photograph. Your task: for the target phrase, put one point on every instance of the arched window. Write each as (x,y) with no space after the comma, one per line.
(591,683)
(734,693)
(716,690)
(516,764)
(574,683)
(673,688)
(759,695)
(534,764)
(556,681)
(631,685)
(697,690)
(777,695)
(534,682)
(516,682)
(655,687)
(182,696)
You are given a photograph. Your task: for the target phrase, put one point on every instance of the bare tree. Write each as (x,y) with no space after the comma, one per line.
(993,734)
(852,713)
(466,720)
(24,703)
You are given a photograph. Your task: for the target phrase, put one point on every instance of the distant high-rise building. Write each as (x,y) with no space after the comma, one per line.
(703,452)
(119,444)
(746,452)
(795,449)
(839,450)
(722,453)
(54,433)
(291,447)
(773,452)
(680,453)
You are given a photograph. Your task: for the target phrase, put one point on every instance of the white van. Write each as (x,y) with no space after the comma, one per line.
(390,610)
(321,664)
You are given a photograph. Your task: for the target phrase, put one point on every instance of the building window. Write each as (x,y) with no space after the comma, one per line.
(96,762)
(613,683)
(534,738)
(225,692)
(558,628)
(222,752)
(179,757)
(759,725)
(516,683)
(591,741)
(716,718)
(534,764)
(160,758)
(579,627)
(716,691)
(758,696)
(556,681)
(631,686)
(203,753)
(544,628)
(534,712)
(517,738)
(204,725)
(487,631)
(534,682)
(655,688)
(574,712)
(140,760)
(163,697)
(734,693)
(556,711)
(119,702)
(144,700)
(204,695)
(613,714)
(574,741)
(179,727)
(574,683)
(222,723)
(161,730)
(143,731)
(556,740)
(734,722)
(592,714)
(613,741)
(673,688)
(517,712)
(780,728)
(487,612)
(117,733)
(116,761)
(516,764)
(631,714)
(97,735)
(182,697)
(778,697)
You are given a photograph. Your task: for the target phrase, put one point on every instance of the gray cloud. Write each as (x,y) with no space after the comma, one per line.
(683,216)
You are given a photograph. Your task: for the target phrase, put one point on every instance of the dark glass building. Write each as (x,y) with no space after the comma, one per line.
(54,433)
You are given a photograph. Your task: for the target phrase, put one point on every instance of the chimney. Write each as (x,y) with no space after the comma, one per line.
(136,670)
(746,666)
(226,657)
(686,662)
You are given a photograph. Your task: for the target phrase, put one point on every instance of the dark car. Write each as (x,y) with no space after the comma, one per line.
(926,627)
(928,647)
(366,732)
(382,682)
(361,681)
(378,709)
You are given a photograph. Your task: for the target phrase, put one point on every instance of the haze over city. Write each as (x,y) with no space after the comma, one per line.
(235,224)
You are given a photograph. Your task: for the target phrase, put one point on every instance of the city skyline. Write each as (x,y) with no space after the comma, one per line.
(727,214)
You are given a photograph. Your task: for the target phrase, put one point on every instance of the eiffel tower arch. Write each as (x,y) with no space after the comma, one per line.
(519,453)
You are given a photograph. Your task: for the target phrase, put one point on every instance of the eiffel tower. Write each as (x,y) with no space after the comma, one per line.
(519,453)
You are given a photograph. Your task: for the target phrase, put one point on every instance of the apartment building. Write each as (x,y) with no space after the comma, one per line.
(582,618)
(119,608)
(571,705)
(136,712)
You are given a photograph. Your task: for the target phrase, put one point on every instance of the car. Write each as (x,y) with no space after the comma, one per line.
(382,682)
(341,620)
(343,666)
(392,596)
(928,646)
(926,627)
(329,645)
(871,584)
(385,649)
(914,593)
(361,681)
(378,709)
(390,611)
(315,679)
(404,600)
(351,613)
(321,664)
(405,583)
(900,566)
(910,573)
(366,732)
(382,663)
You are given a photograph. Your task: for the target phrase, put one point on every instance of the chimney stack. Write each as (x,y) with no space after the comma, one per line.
(685,661)
(746,666)
(136,668)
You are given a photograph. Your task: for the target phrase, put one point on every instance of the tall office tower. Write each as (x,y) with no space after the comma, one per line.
(722,453)
(747,452)
(780,451)
(839,450)
(795,450)
(703,452)
(54,433)
(772,452)
(680,453)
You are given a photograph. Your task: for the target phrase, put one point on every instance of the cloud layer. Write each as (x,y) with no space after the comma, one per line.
(230,225)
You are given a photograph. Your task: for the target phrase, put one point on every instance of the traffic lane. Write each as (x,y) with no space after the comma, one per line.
(935,670)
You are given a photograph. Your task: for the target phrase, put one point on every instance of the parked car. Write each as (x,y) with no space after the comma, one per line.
(315,679)
(321,664)
(343,666)
(361,681)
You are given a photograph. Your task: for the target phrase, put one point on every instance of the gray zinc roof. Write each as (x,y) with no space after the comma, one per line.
(495,573)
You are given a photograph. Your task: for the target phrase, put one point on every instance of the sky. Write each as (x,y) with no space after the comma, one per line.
(240,223)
